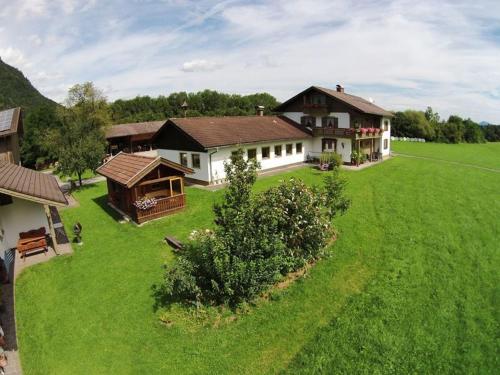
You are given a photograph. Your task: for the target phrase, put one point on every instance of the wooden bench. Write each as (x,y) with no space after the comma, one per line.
(174,243)
(33,240)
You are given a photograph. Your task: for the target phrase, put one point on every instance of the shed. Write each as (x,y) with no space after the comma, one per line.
(144,188)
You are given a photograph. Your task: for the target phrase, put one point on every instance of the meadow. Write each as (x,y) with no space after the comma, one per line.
(411,285)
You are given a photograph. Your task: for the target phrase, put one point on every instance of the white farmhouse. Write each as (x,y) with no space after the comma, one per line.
(314,121)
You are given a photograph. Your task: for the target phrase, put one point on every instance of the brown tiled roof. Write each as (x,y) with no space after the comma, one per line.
(124,130)
(357,102)
(128,169)
(29,184)
(10,121)
(232,130)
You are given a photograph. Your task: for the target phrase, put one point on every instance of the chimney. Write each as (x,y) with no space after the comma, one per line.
(260,110)
(340,88)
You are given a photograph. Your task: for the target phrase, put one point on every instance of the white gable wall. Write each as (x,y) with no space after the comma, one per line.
(20,216)
(201,173)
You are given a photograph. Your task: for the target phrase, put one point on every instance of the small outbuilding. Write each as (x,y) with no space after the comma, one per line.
(27,198)
(144,188)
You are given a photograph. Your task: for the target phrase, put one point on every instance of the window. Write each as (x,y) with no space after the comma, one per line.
(277,151)
(328,144)
(298,148)
(195,160)
(266,152)
(289,149)
(252,153)
(5,199)
(309,121)
(183,159)
(386,125)
(318,99)
(386,144)
(330,122)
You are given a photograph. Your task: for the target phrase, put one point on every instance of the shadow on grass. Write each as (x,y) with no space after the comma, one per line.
(102,202)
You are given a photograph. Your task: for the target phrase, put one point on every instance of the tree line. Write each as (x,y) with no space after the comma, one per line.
(202,103)
(41,123)
(429,126)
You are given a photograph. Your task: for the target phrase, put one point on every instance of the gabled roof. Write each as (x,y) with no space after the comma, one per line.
(356,102)
(233,130)
(138,128)
(31,185)
(128,169)
(9,121)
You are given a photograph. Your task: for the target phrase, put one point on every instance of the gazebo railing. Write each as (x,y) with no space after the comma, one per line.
(163,206)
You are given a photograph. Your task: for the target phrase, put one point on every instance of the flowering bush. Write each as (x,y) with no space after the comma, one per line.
(257,239)
(145,203)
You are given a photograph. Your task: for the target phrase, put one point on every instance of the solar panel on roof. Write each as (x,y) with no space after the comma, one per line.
(6,119)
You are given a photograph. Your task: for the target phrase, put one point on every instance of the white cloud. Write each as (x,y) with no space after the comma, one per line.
(400,52)
(200,66)
(14,56)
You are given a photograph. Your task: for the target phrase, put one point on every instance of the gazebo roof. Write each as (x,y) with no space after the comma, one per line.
(128,169)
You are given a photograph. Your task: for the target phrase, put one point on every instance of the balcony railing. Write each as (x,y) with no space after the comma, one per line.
(334,132)
(316,109)
(163,207)
(347,132)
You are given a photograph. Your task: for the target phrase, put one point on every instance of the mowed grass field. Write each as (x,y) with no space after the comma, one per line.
(411,286)
(482,155)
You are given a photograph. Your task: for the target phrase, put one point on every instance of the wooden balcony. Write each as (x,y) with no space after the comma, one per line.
(163,207)
(315,109)
(345,133)
(334,132)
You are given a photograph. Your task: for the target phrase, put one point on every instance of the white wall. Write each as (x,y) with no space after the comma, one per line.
(224,154)
(385,135)
(20,216)
(201,173)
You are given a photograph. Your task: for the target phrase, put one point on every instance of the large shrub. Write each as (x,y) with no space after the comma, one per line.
(295,211)
(257,239)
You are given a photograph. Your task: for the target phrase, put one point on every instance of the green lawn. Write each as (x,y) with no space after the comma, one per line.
(411,286)
(85,175)
(483,155)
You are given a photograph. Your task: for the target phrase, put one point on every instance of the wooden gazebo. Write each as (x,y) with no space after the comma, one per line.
(144,188)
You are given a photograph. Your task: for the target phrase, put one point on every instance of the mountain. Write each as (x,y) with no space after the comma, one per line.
(17,91)
(484,123)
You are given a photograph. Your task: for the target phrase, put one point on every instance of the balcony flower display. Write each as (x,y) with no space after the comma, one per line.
(363,131)
(144,203)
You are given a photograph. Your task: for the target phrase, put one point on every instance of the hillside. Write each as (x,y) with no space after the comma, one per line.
(17,91)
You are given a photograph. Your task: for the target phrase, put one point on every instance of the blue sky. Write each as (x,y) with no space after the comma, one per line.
(403,54)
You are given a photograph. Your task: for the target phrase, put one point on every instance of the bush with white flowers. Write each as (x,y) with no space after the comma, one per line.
(144,203)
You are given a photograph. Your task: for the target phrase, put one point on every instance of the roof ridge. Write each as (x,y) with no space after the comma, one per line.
(231,116)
